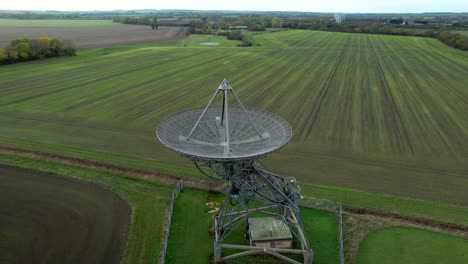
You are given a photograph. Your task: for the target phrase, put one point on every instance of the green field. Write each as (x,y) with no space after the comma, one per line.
(412,246)
(463,32)
(191,223)
(4,22)
(148,200)
(382,114)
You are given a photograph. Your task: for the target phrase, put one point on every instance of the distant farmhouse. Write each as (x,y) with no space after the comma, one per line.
(239,27)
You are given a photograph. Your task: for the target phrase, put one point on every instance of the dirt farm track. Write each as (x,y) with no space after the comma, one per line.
(96,37)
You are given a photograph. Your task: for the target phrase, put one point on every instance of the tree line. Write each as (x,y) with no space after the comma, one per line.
(253,23)
(27,49)
(206,25)
(451,39)
(153,22)
(454,40)
(232,34)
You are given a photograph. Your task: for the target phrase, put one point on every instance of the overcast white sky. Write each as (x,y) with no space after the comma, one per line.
(345,6)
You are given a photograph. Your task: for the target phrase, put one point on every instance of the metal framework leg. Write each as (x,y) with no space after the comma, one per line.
(217,244)
(232,214)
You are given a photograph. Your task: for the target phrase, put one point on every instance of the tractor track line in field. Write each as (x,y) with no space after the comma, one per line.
(145,99)
(245,65)
(82,72)
(441,57)
(194,89)
(436,79)
(79,124)
(306,82)
(153,80)
(156,107)
(92,81)
(419,66)
(301,41)
(393,114)
(262,87)
(302,154)
(323,93)
(276,73)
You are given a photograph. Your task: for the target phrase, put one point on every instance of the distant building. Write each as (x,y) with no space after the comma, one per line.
(269,232)
(397,21)
(239,27)
(339,18)
(168,19)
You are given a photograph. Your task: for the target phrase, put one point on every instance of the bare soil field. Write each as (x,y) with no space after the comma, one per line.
(49,219)
(96,37)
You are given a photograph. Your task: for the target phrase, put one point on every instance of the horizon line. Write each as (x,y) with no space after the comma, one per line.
(232,10)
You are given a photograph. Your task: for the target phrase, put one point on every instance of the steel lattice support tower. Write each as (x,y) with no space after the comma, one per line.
(225,142)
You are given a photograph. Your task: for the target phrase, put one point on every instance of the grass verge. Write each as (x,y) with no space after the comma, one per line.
(387,203)
(348,197)
(358,227)
(407,245)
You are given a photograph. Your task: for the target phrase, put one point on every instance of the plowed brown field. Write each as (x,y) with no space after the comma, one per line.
(50,219)
(96,36)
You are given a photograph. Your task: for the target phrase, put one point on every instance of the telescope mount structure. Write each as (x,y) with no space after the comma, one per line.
(225,141)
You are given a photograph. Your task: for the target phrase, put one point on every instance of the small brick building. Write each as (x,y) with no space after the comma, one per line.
(269,232)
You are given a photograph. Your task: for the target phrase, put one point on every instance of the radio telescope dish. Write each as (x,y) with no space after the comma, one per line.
(224,132)
(224,141)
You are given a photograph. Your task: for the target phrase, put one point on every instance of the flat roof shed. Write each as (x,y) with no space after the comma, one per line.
(269,232)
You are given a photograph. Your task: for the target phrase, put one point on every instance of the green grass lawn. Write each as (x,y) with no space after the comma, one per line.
(4,22)
(149,203)
(190,241)
(412,246)
(322,231)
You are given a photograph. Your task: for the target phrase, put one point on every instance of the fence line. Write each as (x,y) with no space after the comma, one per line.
(178,188)
(340,235)
(324,205)
(308,202)
(329,206)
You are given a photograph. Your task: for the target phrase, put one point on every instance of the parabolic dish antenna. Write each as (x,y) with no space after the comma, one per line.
(224,141)
(228,131)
